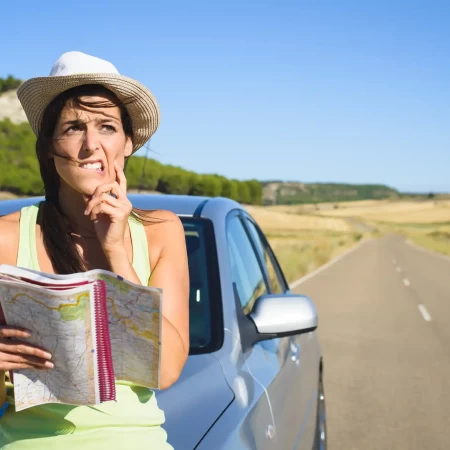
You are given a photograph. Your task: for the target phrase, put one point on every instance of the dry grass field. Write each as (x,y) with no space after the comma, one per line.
(395,212)
(306,236)
(7,196)
(303,242)
(274,220)
(425,211)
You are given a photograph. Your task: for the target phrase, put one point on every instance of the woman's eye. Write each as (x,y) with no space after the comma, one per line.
(108,128)
(73,128)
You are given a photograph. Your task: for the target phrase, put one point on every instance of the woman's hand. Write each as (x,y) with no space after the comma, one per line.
(110,208)
(16,354)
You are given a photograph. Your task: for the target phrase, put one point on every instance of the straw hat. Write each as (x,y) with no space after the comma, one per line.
(75,69)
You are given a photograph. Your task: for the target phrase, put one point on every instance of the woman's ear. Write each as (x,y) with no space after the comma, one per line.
(128,147)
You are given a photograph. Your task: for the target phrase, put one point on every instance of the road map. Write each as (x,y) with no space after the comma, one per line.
(61,325)
(134,328)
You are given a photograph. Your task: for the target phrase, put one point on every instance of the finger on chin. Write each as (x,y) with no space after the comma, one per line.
(120,176)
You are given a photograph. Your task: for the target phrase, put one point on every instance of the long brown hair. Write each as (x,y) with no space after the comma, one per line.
(56,227)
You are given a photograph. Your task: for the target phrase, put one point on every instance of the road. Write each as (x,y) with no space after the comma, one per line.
(384,313)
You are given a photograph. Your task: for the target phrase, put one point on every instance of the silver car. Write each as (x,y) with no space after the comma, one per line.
(253,379)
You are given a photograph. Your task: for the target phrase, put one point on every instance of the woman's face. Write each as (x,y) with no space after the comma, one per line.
(87,141)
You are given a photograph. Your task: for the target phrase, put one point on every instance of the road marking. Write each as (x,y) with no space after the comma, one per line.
(406,282)
(296,283)
(399,269)
(426,316)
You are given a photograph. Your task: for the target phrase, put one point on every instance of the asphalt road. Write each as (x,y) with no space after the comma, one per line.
(384,326)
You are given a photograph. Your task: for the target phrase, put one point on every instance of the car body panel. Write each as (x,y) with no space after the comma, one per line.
(194,402)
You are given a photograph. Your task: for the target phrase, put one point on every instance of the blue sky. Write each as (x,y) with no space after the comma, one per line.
(348,91)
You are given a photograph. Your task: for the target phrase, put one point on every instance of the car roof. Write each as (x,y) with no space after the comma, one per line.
(182,205)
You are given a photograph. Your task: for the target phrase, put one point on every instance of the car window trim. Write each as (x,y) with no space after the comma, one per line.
(262,265)
(215,290)
(238,213)
(268,248)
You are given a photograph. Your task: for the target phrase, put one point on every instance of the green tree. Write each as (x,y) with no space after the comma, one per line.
(244,192)
(206,185)
(143,173)
(230,189)
(9,83)
(256,192)
(174,181)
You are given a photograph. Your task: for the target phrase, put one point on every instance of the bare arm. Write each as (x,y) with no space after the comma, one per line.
(15,352)
(171,274)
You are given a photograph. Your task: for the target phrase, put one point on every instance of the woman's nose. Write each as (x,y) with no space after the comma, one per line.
(91,143)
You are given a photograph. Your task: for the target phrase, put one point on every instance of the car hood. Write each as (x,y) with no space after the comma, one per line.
(195,401)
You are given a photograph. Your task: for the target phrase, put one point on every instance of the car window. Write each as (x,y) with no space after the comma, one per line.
(204,293)
(246,271)
(277,283)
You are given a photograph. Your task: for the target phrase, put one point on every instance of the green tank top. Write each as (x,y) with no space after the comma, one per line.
(132,422)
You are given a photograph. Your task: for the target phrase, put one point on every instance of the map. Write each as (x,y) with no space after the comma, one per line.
(134,329)
(63,323)
(62,326)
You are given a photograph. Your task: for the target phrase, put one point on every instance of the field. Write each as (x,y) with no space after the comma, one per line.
(306,236)
(303,242)
(7,196)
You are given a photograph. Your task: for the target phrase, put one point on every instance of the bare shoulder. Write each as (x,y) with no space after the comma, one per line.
(161,214)
(161,221)
(9,238)
(164,230)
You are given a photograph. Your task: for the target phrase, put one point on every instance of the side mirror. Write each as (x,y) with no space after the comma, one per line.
(283,315)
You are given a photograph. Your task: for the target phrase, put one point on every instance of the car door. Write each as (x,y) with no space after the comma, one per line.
(249,283)
(290,392)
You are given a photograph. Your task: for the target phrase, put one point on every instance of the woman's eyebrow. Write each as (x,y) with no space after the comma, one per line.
(71,122)
(106,119)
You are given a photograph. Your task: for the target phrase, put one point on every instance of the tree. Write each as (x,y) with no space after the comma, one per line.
(244,192)
(174,181)
(9,83)
(206,185)
(256,192)
(230,189)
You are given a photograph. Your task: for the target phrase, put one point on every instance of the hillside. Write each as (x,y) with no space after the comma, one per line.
(10,107)
(288,193)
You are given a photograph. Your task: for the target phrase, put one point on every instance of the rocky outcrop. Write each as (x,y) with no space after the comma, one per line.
(11,108)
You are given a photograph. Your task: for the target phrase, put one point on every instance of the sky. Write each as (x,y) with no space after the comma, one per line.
(312,91)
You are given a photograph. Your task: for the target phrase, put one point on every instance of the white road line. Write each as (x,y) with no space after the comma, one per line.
(406,282)
(296,283)
(399,269)
(426,316)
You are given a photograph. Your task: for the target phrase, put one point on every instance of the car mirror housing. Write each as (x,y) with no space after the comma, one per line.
(277,315)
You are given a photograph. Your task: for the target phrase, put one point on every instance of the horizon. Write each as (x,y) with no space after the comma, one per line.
(291,91)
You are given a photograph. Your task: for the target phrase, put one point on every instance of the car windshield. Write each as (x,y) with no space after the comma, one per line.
(204,294)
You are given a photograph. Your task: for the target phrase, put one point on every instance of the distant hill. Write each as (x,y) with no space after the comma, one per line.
(287,193)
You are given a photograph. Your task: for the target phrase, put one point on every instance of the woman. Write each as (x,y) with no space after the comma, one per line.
(88,120)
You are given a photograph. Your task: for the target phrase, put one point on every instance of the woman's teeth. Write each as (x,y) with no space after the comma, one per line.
(93,166)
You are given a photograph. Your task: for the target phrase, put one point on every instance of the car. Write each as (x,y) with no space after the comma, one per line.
(254,375)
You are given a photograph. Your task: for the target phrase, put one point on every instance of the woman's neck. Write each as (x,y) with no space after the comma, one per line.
(73,205)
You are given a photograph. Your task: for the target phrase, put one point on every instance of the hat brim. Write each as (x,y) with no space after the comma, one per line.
(36,94)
